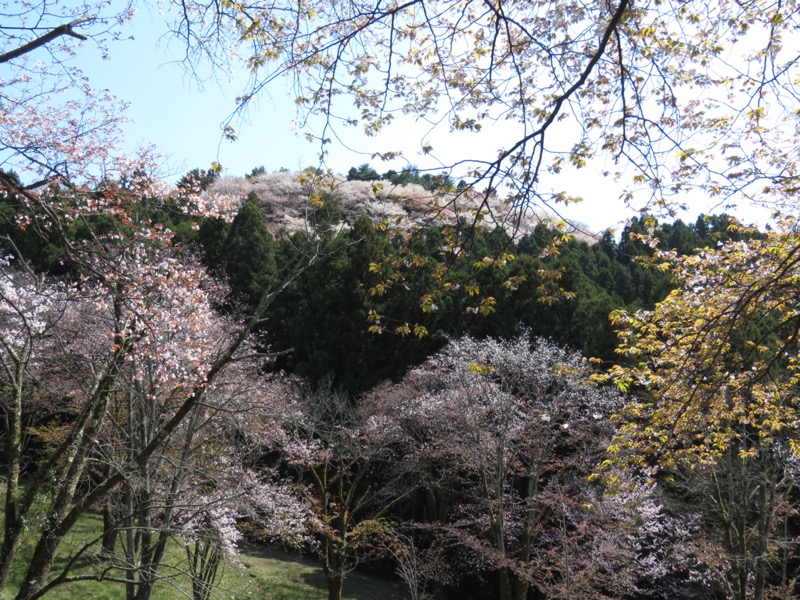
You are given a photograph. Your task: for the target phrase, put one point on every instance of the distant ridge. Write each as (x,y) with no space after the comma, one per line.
(286,199)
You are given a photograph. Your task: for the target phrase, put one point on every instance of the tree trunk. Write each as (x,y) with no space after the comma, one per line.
(13,455)
(335,586)
(40,565)
(520,589)
(505,584)
(130,544)
(204,563)
(8,550)
(110,531)
(76,450)
(767,493)
(332,567)
(520,586)
(153,553)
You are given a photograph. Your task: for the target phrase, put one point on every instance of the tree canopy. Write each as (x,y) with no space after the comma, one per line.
(126,365)
(673,96)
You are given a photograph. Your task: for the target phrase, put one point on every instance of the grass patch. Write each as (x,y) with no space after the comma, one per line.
(265,573)
(285,576)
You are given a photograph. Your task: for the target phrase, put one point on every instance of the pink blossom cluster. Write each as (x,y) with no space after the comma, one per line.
(53,124)
(166,313)
(212,505)
(29,307)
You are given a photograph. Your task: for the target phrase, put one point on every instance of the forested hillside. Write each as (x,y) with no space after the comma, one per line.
(423,371)
(450,439)
(558,287)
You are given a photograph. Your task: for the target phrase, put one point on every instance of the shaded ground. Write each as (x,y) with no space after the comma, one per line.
(263,573)
(288,576)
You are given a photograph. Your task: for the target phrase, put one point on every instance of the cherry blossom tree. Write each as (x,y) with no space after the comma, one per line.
(149,341)
(501,437)
(31,307)
(205,484)
(158,349)
(337,453)
(155,336)
(520,427)
(153,349)
(174,337)
(671,553)
(53,124)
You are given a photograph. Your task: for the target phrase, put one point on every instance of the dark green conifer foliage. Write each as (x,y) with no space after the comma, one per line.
(249,253)
(38,247)
(363,172)
(322,318)
(197,178)
(211,238)
(256,171)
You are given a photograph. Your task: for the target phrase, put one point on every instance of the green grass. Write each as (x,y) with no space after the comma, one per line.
(262,572)
(284,576)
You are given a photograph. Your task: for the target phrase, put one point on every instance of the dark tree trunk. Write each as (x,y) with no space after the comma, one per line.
(110,531)
(335,586)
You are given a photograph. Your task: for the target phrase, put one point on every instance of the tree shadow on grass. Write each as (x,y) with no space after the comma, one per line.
(292,576)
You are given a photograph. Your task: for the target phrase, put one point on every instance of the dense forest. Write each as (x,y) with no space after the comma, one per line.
(565,295)
(452,442)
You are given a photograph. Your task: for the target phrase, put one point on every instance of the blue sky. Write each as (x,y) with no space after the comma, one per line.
(181,117)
